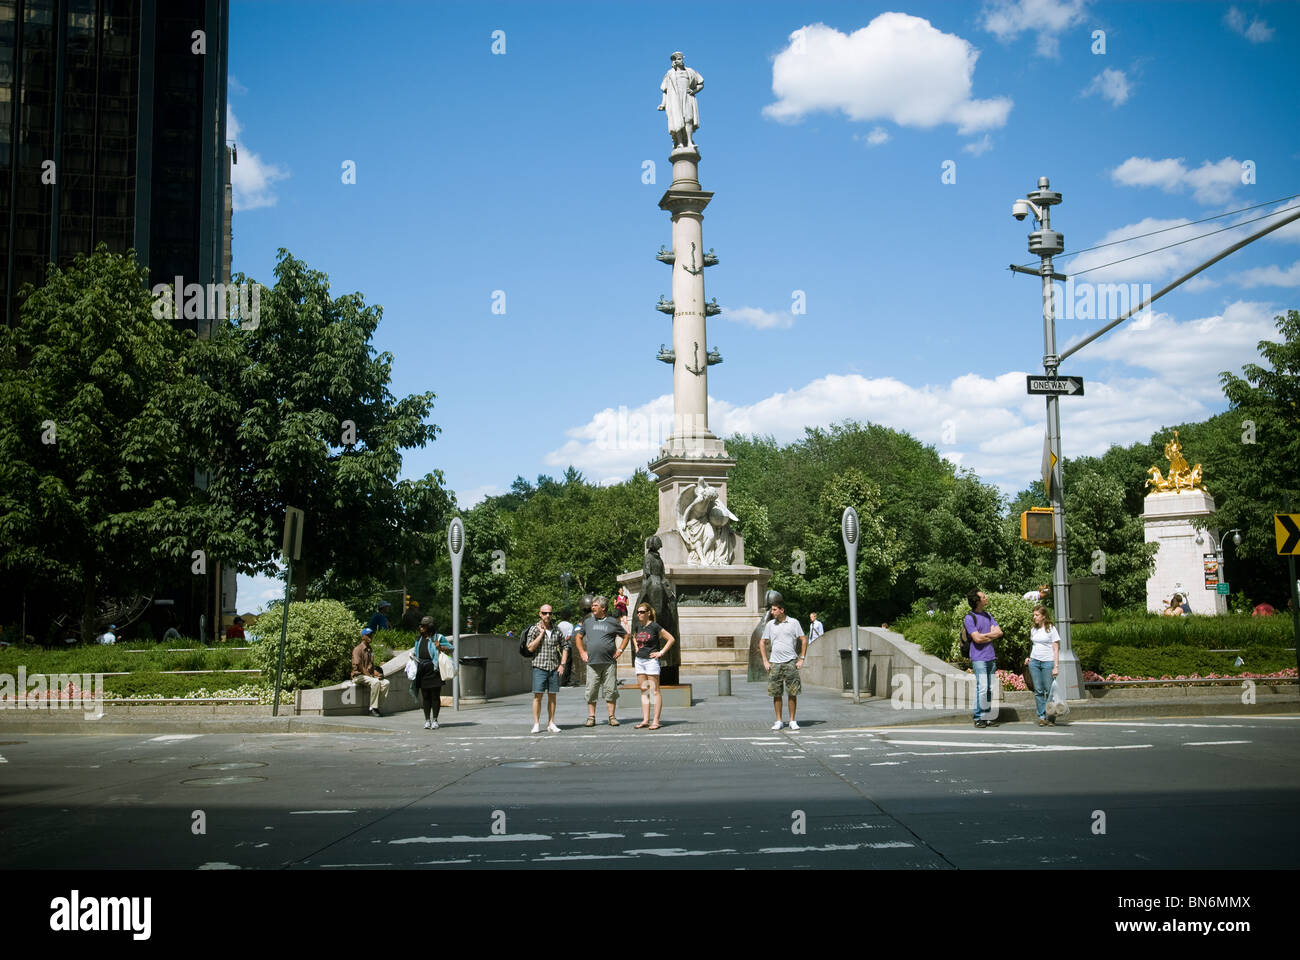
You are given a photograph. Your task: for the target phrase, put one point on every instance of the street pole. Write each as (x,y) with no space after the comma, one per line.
(456,546)
(849,531)
(1046,242)
(291,541)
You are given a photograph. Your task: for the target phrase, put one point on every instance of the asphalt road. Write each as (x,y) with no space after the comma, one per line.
(1186,794)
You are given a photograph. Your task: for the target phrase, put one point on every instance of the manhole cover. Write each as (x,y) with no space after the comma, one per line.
(537,763)
(227,765)
(222,781)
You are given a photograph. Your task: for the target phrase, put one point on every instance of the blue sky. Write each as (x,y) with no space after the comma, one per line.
(864,159)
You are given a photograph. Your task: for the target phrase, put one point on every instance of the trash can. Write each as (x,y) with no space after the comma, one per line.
(473,678)
(846,672)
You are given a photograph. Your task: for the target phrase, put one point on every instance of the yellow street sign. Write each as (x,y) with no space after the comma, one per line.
(1286,527)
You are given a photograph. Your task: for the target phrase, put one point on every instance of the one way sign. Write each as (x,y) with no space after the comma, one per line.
(1286,527)
(1050,385)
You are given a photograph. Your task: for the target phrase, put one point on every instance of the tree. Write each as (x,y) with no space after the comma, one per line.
(96,480)
(1263,462)
(298,413)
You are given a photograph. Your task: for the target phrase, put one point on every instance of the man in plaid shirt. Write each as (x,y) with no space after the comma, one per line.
(550,650)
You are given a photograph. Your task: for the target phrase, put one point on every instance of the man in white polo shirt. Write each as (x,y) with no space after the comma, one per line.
(783,637)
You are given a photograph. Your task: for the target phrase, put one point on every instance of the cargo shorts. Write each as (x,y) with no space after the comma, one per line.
(784,673)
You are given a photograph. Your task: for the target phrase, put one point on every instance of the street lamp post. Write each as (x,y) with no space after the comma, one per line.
(456,547)
(849,531)
(1047,242)
(566,578)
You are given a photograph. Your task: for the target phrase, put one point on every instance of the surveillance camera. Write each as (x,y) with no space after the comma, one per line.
(1020,209)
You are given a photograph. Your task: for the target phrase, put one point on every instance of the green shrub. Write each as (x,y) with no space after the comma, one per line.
(318,649)
(1233,631)
(1176,661)
(1014,615)
(934,636)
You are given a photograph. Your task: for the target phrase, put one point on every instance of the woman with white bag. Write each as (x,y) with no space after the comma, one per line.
(429,648)
(1046,653)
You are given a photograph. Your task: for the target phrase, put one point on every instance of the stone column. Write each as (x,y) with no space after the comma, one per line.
(685,200)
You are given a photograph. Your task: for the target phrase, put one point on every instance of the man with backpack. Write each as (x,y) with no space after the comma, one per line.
(549,649)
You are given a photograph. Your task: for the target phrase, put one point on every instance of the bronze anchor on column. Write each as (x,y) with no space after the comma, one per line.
(691,269)
(697,369)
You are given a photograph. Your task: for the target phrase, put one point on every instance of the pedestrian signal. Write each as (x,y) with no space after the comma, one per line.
(1036,526)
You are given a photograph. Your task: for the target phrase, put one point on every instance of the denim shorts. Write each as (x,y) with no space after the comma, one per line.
(546,681)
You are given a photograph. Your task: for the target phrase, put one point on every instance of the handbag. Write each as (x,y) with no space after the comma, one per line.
(446,666)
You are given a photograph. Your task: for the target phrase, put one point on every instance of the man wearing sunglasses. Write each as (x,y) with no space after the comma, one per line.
(550,650)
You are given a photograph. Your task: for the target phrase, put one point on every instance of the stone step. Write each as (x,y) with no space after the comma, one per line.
(709,655)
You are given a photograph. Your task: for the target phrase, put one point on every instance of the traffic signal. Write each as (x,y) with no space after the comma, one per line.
(1036,526)
(406,602)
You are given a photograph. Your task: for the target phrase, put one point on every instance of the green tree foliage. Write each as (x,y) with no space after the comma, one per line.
(1106,539)
(318,646)
(824,586)
(298,413)
(595,533)
(1264,454)
(96,480)
(949,527)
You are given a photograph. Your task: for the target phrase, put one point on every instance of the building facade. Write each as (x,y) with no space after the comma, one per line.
(113,130)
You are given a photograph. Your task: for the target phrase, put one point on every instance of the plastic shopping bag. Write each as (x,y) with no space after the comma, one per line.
(1056,705)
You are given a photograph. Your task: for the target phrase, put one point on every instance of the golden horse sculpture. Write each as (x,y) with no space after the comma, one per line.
(1181,476)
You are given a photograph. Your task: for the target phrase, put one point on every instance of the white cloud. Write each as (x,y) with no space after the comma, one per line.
(1256,31)
(988,424)
(254,594)
(1111,84)
(234,86)
(760,319)
(875,138)
(1193,353)
(979,147)
(897,68)
(465,499)
(252,178)
(1007,19)
(1210,182)
(1269,276)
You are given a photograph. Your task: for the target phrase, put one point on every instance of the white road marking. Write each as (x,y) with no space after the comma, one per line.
(169,737)
(674,852)
(300,812)
(492,838)
(1214,743)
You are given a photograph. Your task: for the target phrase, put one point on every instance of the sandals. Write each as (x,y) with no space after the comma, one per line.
(641,726)
(591,722)
(655,726)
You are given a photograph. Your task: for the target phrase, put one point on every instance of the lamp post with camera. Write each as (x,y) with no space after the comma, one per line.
(1047,242)
(456,547)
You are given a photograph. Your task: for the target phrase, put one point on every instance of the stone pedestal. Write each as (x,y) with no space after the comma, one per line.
(714,634)
(1179,562)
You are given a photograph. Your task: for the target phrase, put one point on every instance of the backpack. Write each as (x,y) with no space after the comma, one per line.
(523,645)
(965,640)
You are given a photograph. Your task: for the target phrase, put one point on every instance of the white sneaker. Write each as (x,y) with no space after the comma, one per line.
(793,725)
(537,728)
(777,725)
(552,728)
(433,724)
(428,724)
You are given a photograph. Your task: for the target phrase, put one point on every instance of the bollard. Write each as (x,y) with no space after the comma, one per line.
(724,683)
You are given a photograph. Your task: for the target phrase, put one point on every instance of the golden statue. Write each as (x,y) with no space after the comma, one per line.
(1181,476)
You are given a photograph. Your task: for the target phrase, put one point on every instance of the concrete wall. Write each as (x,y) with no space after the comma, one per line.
(889,655)
(507,673)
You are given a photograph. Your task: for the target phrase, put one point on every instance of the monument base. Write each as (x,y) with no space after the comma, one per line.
(1181,561)
(717,608)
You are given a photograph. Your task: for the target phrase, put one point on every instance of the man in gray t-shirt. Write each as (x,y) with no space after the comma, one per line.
(783,636)
(598,641)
